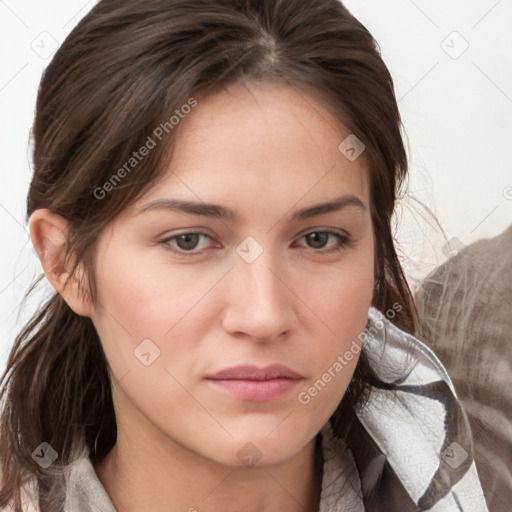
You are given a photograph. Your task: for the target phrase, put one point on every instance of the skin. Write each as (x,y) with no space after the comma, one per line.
(264,151)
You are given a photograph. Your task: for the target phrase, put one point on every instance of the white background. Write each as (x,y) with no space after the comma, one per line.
(456,107)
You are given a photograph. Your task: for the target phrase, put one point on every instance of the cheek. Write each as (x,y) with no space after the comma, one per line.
(148,298)
(342,297)
(344,310)
(145,323)
(144,300)
(133,306)
(341,305)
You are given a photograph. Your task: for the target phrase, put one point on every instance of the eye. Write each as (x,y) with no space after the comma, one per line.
(319,238)
(185,242)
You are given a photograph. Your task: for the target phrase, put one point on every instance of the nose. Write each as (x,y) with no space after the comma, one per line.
(260,305)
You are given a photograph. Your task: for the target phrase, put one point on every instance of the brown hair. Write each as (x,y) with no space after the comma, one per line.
(125,68)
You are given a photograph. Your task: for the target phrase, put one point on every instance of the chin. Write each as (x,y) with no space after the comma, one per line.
(260,443)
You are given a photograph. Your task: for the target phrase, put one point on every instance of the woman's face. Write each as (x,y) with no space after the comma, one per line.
(265,285)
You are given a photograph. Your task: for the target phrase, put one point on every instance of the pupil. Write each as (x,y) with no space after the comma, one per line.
(318,237)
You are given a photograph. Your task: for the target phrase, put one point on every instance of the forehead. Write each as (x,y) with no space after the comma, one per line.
(261,142)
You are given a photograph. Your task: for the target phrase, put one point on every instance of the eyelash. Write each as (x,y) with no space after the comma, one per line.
(345,242)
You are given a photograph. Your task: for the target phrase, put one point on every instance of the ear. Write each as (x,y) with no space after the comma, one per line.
(49,233)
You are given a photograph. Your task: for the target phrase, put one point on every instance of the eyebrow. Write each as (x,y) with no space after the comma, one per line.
(224,213)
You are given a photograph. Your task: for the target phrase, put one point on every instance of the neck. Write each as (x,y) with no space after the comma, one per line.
(138,475)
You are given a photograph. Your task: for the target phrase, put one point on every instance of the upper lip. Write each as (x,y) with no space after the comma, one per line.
(251,372)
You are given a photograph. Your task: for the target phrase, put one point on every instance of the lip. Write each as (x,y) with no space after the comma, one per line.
(256,384)
(252,372)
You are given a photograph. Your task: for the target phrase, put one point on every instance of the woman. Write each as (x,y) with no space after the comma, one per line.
(211,200)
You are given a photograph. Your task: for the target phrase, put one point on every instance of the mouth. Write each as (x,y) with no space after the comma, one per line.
(256,384)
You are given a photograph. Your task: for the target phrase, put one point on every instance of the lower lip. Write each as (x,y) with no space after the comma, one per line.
(256,390)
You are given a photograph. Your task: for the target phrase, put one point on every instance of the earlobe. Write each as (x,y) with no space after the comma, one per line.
(49,232)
